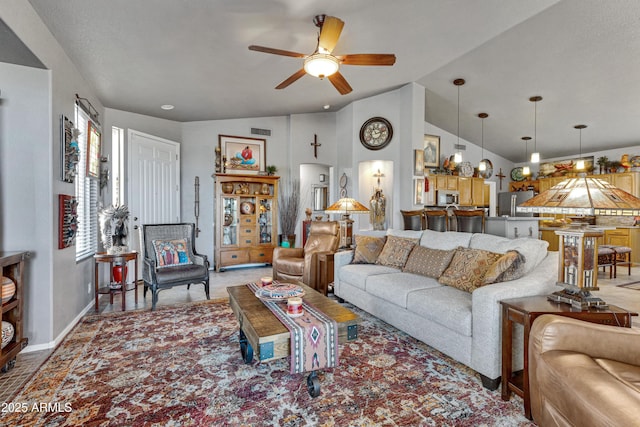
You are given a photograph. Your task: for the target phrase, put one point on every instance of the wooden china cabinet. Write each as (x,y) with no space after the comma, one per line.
(12,265)
(246,219)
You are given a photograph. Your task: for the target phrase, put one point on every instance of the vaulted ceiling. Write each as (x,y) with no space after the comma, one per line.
(581,56)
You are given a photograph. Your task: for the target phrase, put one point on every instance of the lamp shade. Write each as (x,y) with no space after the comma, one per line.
(583,196)
(346,206)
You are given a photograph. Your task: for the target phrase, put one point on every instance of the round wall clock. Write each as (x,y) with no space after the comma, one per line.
(376,133)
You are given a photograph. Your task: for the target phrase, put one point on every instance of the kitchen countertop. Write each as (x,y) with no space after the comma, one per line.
(518,218)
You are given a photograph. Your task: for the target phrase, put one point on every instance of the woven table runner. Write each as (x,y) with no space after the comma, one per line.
(314,335)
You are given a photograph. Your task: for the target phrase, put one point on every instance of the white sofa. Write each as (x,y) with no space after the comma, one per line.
(465,326)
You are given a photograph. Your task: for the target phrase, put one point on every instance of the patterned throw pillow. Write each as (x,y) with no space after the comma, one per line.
(396,251)
(468,268)
(428,262)
(171,252)
(368,249)
(509,266)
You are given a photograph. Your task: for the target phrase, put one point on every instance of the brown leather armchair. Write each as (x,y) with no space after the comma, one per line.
(583,374)
(302,263)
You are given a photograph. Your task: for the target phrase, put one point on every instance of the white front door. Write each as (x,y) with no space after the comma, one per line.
(153,190)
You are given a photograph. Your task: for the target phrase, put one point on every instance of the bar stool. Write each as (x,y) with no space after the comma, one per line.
(414,220)
(470,221)
(606,258)
(622,257)
(437,220)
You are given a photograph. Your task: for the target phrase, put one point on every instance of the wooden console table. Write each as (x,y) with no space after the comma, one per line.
(524,311)
(112,287)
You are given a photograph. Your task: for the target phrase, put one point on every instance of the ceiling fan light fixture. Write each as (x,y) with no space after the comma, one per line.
(321,65)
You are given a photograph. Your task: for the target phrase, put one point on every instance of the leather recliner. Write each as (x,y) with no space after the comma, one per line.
(583,374)
(301,263)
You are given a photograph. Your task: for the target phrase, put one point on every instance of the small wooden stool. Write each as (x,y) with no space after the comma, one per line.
(622,257)
(606,258)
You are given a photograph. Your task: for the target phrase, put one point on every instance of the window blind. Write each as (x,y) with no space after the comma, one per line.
(87,195)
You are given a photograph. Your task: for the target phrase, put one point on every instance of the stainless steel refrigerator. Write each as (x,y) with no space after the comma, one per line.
(507,202)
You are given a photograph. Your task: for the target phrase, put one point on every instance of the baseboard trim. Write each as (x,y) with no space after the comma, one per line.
(62,335)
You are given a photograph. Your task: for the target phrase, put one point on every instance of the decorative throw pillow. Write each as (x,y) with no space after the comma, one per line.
(171,252)
(396,251)
(468,268)
(509,266)
(368,249)
(428,262)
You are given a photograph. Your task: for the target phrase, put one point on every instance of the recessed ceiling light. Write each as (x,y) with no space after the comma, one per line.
(167,107)
(326,107)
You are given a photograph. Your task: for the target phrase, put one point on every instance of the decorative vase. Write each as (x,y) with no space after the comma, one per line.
(227,187)
(287,240)
(8,289)
(118,272)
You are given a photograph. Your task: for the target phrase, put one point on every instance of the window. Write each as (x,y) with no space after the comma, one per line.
(86,194)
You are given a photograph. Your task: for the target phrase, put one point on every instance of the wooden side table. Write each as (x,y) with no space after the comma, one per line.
(324,272)
(524,311)
(113,288)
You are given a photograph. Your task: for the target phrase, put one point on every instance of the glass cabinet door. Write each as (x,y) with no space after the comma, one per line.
(265,219)
(230,221)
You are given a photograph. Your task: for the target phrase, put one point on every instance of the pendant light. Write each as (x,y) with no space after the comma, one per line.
(525,169)
(482,166)
(580,163)
(535,156)
(457,157)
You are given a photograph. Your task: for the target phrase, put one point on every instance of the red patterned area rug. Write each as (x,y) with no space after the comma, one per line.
(181,366)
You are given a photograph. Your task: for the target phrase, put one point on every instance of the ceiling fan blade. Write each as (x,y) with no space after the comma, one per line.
(330,33)
(340,83)
(292,78)
(276,51)
(368,59)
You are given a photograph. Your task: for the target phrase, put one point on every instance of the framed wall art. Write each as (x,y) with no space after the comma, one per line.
(418,162)
(67,220)
(241,155)
(418,191)
(431,151)
(70,150)
(93,151)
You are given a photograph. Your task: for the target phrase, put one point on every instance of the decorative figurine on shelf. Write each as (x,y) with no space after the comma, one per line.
(308,213)
(378,205)
(114,226)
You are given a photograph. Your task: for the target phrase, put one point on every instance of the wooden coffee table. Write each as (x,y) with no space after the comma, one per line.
(263,335)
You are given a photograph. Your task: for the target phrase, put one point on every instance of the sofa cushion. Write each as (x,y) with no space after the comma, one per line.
(509,266)
(396,288)
(368,249)
(468,268)
(533,250)
(356,274)
(428,262)
(445,241)
(171,252)
(395,252)
(445,305)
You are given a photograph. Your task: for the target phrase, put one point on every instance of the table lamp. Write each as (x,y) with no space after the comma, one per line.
(578,246)
(346,206)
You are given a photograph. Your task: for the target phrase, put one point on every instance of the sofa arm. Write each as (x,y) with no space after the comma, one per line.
(487,311)
(551,332)
(340,259)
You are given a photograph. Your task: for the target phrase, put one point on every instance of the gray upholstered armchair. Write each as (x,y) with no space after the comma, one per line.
(170,258)
(301,263)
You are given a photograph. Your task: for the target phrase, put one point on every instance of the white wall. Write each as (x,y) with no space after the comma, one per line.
(25,187)
(63,295)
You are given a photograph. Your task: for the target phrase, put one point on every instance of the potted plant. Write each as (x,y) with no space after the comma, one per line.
(289,200)
(603,162)
(271,170)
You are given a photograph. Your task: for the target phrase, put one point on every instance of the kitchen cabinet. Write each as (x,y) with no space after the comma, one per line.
(246,219)
(464,190)
(472,191)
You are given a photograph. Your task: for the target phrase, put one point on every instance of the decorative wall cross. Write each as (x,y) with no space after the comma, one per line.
(500,175)
(315,145)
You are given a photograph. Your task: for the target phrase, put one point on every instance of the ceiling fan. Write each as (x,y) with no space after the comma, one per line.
(322,63)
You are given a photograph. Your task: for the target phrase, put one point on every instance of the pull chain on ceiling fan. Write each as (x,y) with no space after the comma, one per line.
(323,63)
